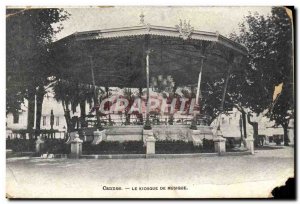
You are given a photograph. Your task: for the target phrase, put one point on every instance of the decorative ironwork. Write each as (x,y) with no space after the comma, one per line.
(142,20)
(185,29)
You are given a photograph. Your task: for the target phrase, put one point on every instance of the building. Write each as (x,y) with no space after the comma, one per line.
(230,126)
(18,122)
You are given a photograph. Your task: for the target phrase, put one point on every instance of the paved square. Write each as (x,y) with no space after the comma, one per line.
(226,176)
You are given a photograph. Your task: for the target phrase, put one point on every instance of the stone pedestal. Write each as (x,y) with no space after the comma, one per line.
(76,147)
(250,144)
(220,146)
(267,142)
(196,137)
(99,136)
(72,136)
(149,140)
(150,145)
(44,156)
(83,136)
(50,156)
(146,134)
(39,145)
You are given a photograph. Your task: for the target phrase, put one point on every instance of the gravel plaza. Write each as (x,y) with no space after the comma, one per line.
(225,176)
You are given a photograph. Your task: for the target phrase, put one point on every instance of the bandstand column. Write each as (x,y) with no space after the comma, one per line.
(148,136)
(194,121)
(147,123)
(219,140)
(233,63)
(219,134)
(199,82)
(96,102)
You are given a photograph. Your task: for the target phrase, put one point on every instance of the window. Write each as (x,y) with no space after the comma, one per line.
(16,118)
(44,120)
(57,121)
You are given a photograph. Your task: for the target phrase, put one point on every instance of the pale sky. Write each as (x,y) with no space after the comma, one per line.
(221,19)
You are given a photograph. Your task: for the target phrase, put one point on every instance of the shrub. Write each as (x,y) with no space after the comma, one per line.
(137,147)
(114,147)
(20,145)
(56,146)
(232,142)
(181,147)
(208,145)
(52,146)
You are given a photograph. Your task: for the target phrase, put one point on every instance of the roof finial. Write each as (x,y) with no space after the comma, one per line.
(142,20)
(185,29)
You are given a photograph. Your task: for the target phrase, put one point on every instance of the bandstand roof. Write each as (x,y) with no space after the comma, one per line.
(117,56)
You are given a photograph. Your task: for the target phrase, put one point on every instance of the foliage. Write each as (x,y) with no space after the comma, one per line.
(269,43)
(130,96)
(270,63)
(72,93)
(283,109)
(162,85)
(29,33)
(211,98)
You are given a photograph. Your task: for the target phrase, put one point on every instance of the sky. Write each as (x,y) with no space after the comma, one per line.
(225,20)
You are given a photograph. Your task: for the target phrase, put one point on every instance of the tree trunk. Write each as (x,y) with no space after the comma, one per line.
(82,109)
(285,134)
(127,119)
(67,115)
(39,106)
(107,95)
(241,130)
(31,105)
(244,124)
(255,130)
(140,115)
(82,114)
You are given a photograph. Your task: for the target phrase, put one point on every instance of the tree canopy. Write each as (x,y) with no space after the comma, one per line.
(29,33)
(269,40)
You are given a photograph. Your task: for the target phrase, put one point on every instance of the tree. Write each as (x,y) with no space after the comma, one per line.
(29,35)
(71,94)
(130,96)
(270,63)
(283,108)
(167,88)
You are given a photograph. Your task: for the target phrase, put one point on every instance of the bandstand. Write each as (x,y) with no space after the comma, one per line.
(128,57)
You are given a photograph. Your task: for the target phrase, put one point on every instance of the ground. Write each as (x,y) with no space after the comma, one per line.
(217,176)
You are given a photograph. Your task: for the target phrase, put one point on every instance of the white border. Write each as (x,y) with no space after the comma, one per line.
(59,3)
